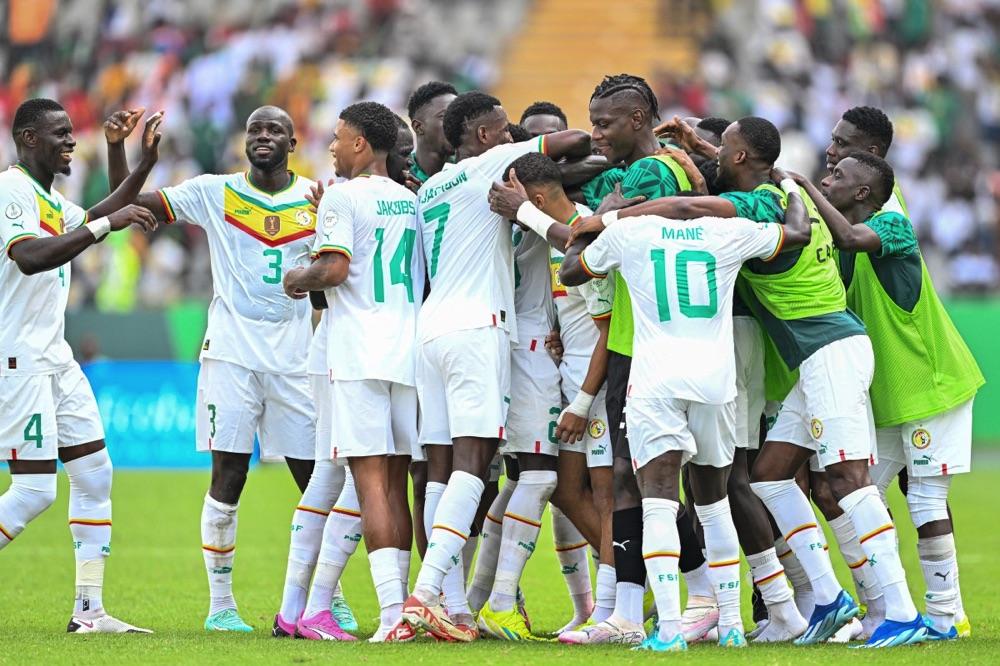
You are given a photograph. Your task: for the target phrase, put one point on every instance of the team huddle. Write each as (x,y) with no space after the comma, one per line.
(650,326)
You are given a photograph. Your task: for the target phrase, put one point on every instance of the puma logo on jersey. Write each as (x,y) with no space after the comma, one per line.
(623,545)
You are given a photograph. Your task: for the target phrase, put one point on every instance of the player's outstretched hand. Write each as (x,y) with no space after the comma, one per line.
(315,194)
(583,227)
(554,345)
(571,427)
(132,214)
(615,200)
(288,283)
(505,199)
(679,132)
(151,139)
(120,124)
(411,182)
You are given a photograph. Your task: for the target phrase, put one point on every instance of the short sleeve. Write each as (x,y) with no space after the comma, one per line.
(18,216)
(896,233)
(493,164)
(192,200)
(650,178)
(758,205)
(334,223)
(603,254)
(599,294)
(73,216)
(757,240)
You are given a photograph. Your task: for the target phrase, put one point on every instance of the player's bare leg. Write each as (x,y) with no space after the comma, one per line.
(575,498)
(218,538)
(301,471)
(418,474)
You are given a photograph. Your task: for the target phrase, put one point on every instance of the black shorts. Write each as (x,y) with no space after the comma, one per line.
(619,367)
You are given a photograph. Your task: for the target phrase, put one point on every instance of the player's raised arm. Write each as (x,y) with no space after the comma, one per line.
(798,227)
(675,208)
(116,129)
(128,191)
(846,236)
(571,144)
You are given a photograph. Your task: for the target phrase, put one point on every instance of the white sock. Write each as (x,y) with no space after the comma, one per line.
(90,525)
(698,583)
(521,523)
(469,555)
(308,521)
(661,549)
(403,562)
(452,520)
(341,537)
(23,501)
(797,576)
(572,549)
(865,583)
(388,588)
(218,545)
(878,538)
(489,548)
(723,556)
(604,605)
(769,577)
(453,586)
(938,564)
(797,522)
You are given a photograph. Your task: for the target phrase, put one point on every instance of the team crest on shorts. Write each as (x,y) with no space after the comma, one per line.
(816,428)
(272,225)
(597,428)
(920,439)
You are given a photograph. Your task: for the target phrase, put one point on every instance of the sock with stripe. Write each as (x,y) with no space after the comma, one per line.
(769,577)
(24,500)
(722,548)
(878,537)
(489,548)
(308,521)
(604,605)
(521,523)
(452,586)
(801,587)
(90,525)
(661,550)
(797,522)
(388,588)
(341,536)
(572,550)
(939,565)
(218,545)
(452,520)
(865,583)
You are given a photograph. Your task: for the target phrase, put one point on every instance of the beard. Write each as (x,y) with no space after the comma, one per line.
(266,163)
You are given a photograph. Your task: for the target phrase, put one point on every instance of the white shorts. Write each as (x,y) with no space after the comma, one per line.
(706,434)
(535,401)
(749,340)
(828,411)
(939,445)
(44,413)
(463,382)
(596,442)
(373,417)
(323,401)
(235,402)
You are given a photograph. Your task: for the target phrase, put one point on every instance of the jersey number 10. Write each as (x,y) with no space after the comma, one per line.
(682,274)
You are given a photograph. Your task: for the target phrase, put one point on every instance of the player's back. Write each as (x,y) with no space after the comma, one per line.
(467,247)
(681,275)
(373,313)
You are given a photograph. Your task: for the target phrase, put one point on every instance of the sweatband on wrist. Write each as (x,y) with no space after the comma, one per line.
(790,186)
(581,404)
(609,218)
(534,219)
(100,227)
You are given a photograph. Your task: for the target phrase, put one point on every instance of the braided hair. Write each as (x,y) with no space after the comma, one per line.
(618,83)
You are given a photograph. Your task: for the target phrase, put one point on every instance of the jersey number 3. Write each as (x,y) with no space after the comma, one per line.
(682,274)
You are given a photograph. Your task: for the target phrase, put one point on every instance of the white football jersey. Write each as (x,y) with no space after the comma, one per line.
(532,285)
(467,247)
(32,340)
(680,275)
(316,360)
(373,313)
(253,238)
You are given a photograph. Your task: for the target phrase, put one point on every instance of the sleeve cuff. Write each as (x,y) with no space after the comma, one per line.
(542,148)
(588,270)
(601,317)
(339,249)
(780,244)
(171,215)
(17,239)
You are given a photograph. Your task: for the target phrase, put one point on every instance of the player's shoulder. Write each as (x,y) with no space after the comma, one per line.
(584,210)
(213,181)
(16,182)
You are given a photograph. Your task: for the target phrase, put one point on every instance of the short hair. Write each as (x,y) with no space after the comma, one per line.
(425,93)
(518,133)
(31,111)
(710,172)
(375,122)
(463,109)
(544,109)
(885,178)
(873,123)
(714,125)
(762,137)
(400,123)
(613,84)
(534,168)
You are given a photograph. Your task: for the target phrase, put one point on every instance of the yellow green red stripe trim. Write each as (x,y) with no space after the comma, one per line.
(800,528)
(875,533)
(339,249)
(6,533)
(563,549)
(769,578)
(498,522)
(88,521)
(17,239)
(724,563)
(780,245)
(346,512)
(661,553)
(857,564)
(221,551)
(522,519)
(588,270)
(464,537)
(309,509)
(167,208)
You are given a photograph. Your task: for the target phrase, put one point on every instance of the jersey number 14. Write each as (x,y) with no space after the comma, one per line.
(399,264)
(682,274)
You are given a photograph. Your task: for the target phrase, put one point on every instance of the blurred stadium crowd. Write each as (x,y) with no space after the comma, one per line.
(933,65)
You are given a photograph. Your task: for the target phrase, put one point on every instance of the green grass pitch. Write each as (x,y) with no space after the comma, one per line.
(155,578)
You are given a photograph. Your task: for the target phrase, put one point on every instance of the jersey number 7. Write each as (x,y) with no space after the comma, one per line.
(439,213)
